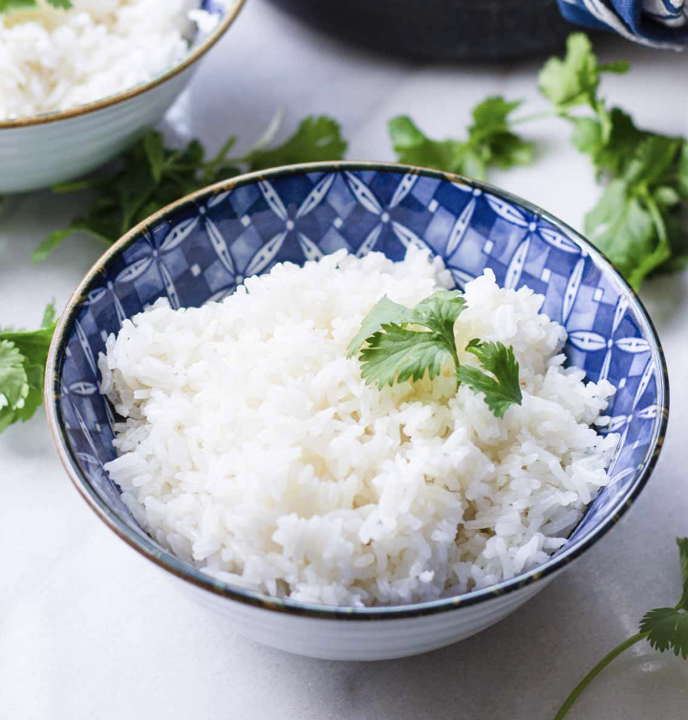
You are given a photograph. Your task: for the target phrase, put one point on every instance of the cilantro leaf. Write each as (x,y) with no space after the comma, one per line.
(683,171)
(609,150)
(575,79)
(14,386)
(49,315)
(399,354)
(8,5)
(667,629)
(150,176)
(154,148)
(622,228)
(439,313)
(502,390)
(491,141)
(384,312)
(652,160)
(630,223)
(317,138)
(23,355)
(413,147)
(395,352)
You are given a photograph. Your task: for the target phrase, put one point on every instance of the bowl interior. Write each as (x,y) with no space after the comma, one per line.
(202,248)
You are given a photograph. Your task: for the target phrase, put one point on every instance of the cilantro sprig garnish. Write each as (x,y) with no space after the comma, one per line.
(664,628)
(9,5)
(23,355)
(151,175)
(394,350)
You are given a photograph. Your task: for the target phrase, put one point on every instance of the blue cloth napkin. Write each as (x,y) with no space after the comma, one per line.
(656,23)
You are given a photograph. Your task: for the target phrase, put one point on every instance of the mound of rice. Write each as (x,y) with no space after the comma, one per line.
(54,59)
(253,449)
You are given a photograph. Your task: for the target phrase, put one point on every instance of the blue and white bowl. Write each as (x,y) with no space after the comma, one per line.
(203,246)
(37,152)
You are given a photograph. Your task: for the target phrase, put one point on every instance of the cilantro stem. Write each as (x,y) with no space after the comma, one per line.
(601,665)
(211,166)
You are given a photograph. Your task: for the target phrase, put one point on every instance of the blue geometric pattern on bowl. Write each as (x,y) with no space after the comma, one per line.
(205,247)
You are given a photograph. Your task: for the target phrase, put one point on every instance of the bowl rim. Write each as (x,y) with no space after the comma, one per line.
(167,561)
(194,55)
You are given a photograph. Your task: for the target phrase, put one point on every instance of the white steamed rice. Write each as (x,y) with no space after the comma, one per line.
(53,60)
(253,449)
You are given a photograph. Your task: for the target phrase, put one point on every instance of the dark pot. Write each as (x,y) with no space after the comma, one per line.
(439,29)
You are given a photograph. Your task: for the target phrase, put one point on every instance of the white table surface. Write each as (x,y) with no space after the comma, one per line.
(89,630)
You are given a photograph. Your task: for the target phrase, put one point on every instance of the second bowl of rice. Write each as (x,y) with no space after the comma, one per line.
(82,84)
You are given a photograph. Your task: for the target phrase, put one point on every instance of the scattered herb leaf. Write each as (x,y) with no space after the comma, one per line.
(491,142)
(22,364)
(150,176)
(636,220)
(396,354)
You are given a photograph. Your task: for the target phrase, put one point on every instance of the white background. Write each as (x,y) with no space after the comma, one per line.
(89,630)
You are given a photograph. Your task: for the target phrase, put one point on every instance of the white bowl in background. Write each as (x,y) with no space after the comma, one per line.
(37,152)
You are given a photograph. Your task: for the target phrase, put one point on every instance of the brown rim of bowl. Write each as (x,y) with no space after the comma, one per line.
(175,70)
(184,571)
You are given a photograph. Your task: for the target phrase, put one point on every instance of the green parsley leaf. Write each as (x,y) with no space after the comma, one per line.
(667,629)
(491,142)
(622,228)
(502,390)
(384,312)
(652,160)
(9,5)
(316,139)
(412,147)
(154,148)
(612,151)
(439,313)
(150,176)
(23,355)
(399,354)
(14,386)
(396,353)
(49,315)
(631,221)
(575,79)
(683,171)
